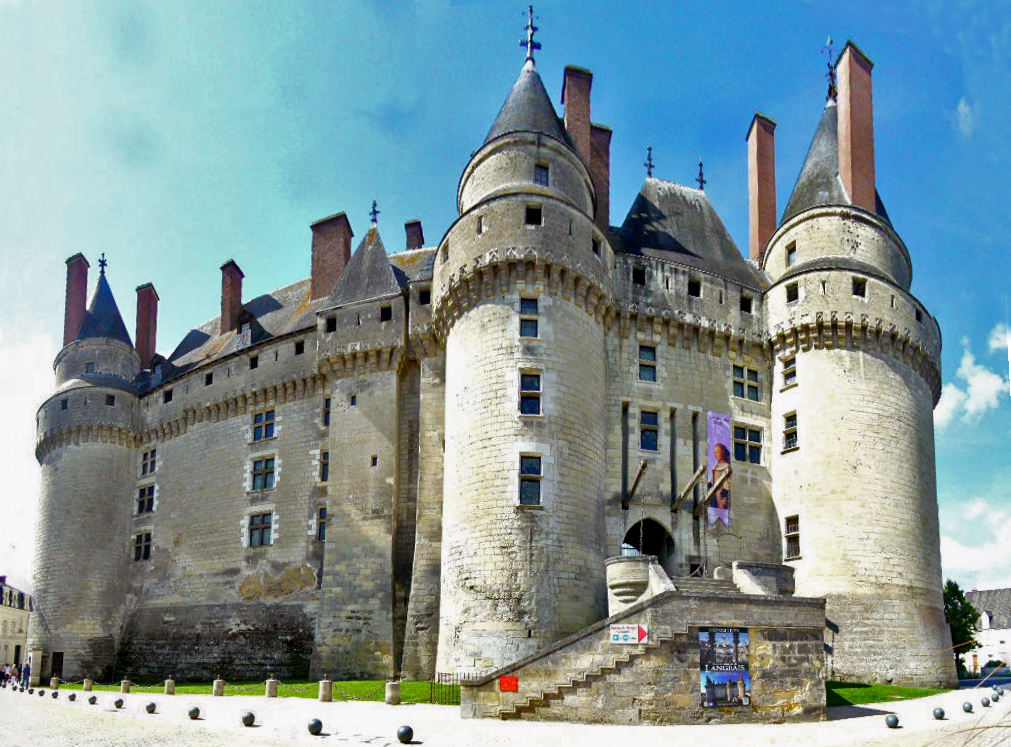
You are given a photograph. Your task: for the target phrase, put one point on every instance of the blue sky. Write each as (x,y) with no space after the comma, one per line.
(173,136)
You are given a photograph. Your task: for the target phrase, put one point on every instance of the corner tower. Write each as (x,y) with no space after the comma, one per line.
(857,375)
(521,288)
(85,445)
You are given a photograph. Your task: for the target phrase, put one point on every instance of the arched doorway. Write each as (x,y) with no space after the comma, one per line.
(656,540)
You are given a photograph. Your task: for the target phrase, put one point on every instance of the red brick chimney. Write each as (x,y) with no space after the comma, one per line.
(231,295)
(415,234)
(761,184)
(856,127)
(77,297)
(600,173)
(147,323)
(331,252)
(576,98)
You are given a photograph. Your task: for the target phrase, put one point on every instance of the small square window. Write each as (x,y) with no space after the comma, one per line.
(695,288)
(533,215)
(649,431)
(860,287)
(385,313)
(791,254)
(530,394)
(110,400)
(145,500)
(263,474)
(792,292)
(331,324)
(263,425)
(747,383)
(375,460)
(639,275)
(528,328)
(208,379)
(595,245)
(89,368)
(254,361)
(299,347)
(747,445)
(541,174)
(746,304)
(528,305)
(424,297)
(64,404)
(167,396)
(149,462)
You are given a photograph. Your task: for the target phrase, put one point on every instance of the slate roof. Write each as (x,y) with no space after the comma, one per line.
(678,224)
(102,318)
(528,108)
(997,602)
(369,274)
(819,182)
(416,264)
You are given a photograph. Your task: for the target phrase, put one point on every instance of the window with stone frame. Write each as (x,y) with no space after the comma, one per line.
(263,473)
(791,253)
(259,529)
(149,462)
(529,324)
(541,174)
(326,411)
(321,524)
(647,363)
(531,475)
(263,425)
(747,444)
(792,292)
(530,393)
(790,371)
(145,499)
(792,535)
(649,430)
(324,466)
(142,546)
(790,431)
(747,383)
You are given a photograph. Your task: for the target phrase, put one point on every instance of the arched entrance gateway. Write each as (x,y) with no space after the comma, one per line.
(649,537)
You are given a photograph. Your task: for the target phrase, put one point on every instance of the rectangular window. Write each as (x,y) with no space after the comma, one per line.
(142,546)
(64,404)
(647,363)
(145,500)
(790,371)
(747,384)
(790,431)
(595,245)
(110,400)
(324,466)
(331,324)
(208,379)
(263,474)
(746,304)
(919,316)
(354,400)
(480,225)
(254,362)
(695,288)
(530,480)
(791,254)
(321,524)
(149,462)
(639,275)
(649,431)
(530,394)
(263,425)
(860,287)
(533,216)
(792,535)
(747,445)
(89,368)
(167,396)
(299,347)
(375,460)
(326,411)
(385,313)
(424,297)
(792,293)
(259,529)
(528,318)
(541,174)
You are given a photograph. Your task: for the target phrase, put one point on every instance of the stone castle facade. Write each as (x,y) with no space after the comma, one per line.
(419,461)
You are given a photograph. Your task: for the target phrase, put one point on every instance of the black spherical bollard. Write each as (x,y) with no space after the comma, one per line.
(92,700)
(995,697)
(248,718)
(118,703)
(315,727)
(151,707)
(967,707)
(194,713)
(939,714)
(55,694)
(405,734)
(42,693)
(31,690)
(985,702)
(72,697)
(892,721)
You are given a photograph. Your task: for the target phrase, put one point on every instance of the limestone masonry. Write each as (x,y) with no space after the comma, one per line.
(419,462)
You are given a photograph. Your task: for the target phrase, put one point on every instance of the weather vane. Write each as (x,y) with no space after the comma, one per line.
(102,263)
(649,161)
(701,178)
(529,42)
(828,50)
(374,213)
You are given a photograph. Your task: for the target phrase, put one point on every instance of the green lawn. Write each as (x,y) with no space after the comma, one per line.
(410,692)
(854,693)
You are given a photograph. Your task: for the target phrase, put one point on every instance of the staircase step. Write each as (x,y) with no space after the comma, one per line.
(704,584)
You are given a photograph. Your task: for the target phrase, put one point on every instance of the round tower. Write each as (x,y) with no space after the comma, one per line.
(85,446)
(857,376)
(521,283)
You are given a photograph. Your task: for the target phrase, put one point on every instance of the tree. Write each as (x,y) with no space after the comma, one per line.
(962,618)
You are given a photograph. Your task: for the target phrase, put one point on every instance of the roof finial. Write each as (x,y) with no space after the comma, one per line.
(102,263)
(701,178)
(828,50)
(374,214)
(649,161)
(529,42)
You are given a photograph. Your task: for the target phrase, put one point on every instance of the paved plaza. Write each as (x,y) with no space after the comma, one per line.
(31,721)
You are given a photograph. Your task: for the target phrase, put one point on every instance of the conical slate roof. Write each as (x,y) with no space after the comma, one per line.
(528,109)
(676,223)
(819,182)
(102,318)
(369,274)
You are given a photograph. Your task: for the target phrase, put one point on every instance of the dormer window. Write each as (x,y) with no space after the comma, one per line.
(541,174)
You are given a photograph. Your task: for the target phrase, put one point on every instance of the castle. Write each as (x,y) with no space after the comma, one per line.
(418,462)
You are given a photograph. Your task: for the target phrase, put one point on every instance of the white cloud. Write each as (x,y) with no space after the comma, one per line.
(964,118)
(981,391)
(983,564)
(999,337)
(950,405)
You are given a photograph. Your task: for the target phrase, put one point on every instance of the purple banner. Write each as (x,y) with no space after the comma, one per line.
(718,428)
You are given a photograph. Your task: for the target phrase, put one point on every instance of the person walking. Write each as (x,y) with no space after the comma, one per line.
(26,672)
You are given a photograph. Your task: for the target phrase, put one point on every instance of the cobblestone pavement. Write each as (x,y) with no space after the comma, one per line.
(31,721)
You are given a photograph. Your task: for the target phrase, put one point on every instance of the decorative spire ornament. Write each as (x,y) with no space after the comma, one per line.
(374,214)
(701,178)
(828,50)
(649,161)
(529,42)
(102,264)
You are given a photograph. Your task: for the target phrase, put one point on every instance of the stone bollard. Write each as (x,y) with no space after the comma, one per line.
(87,684)
(170,686)
(325,690)
(124,686)
(272,687)
(54,683)
(393,693)
(219,687)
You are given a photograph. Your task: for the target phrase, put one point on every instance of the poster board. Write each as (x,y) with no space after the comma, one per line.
(724,673)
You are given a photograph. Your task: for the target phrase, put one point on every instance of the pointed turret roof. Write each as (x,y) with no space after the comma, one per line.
(102,319)
(528,109)
(369,274)
(819,182)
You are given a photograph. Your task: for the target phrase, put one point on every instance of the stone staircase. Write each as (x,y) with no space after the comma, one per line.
(708,585)
(583,679)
